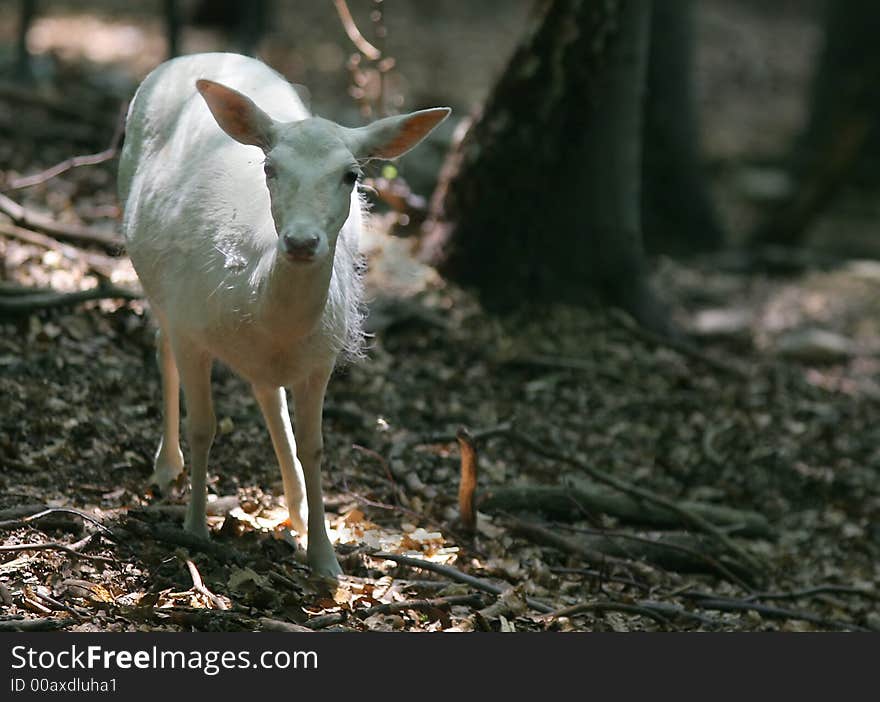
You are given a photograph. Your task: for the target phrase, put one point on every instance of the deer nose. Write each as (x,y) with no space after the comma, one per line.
(300,247)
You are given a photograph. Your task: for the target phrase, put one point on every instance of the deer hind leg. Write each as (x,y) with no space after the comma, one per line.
(168,461)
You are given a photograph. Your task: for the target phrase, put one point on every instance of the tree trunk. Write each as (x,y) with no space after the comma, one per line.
(543,202)
(678,216)
(841,142)
(27,11)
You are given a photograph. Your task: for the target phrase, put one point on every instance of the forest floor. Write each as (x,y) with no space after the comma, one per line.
(624,482)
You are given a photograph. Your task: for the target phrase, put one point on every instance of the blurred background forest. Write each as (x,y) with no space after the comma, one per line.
(624,307)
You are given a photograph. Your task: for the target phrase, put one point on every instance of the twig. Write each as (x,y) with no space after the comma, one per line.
(56,604)
(76,161)
(600,576)
(724,604)
(325,620)
(549,538)
(53,546)
(29,219)
(681,347)
(42,299)
(817,590)
(421,605)
(21,510)
(476,435)
(688,516)
(468,481)
(456,575)
(200,587)
(201,619)
(268,624)
(382,462)
(42,624)
(608,606)
(99,263)
(419,517)
(713,563)
(676,612)
(179,537)
(354,34)
(55,510)
(574,502)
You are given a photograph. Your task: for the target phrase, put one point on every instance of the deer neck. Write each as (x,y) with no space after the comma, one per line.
(296,295)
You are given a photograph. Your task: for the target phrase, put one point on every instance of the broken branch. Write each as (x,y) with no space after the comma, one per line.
(75,161)
(354,34)
(468,481)
(24,301)
(456,575)
(200,587)
(29,219)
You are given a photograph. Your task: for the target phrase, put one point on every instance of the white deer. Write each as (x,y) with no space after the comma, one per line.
(246,248)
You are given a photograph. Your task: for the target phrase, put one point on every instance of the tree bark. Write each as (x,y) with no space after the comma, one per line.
(543,203)
(677,211)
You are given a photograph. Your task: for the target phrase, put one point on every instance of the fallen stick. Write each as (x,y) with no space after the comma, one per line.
(608,606)
(55,510)
(99,263)
(29,219)
(817,590)
(20,511)
(75,161)
(42,299)
(456,575)
(417,516)
(201,619)
(199,586)
(179,537)
(421,605)
(538,534)
(724,604)
(325,620)
(42,624)
(214,508)
(676,552)
(354,34)
(476,435)
(681,347)
(53,546)
(566,502)
(49,600)
(601,576)
(267,624)
(688,518)
(468,480)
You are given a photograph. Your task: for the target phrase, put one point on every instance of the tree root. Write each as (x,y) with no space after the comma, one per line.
(570,503)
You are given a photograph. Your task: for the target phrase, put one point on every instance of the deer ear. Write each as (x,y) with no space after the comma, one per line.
(237,115)
(394,136)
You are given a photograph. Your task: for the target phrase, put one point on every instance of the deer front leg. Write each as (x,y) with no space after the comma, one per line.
(168,461)
(308,404)
(194,366)
(273,404)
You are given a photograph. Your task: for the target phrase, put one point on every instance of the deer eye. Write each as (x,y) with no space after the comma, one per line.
(350,177)
(269,170)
